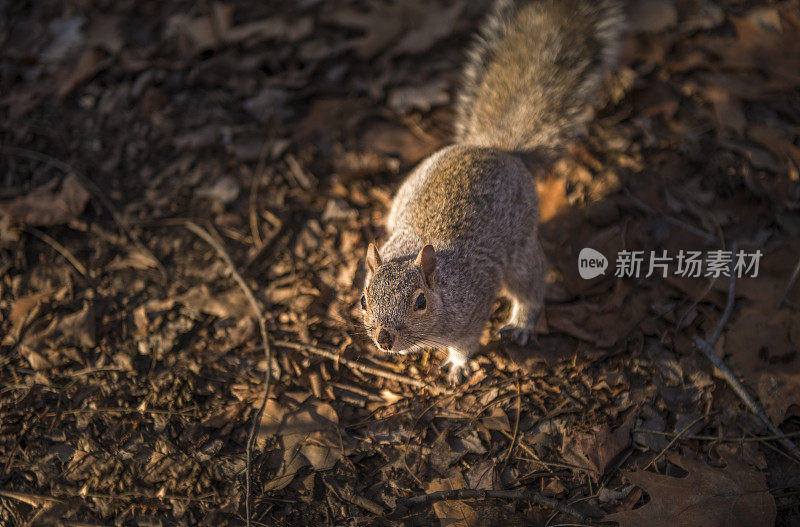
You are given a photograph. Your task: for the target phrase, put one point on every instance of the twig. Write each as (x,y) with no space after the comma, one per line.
(357,366)
(255,231)
(513,440)
(403,505)
(727,439)
(63,251)
(672,441)
(642,206)
(791,282)
(707,348)
(202,233)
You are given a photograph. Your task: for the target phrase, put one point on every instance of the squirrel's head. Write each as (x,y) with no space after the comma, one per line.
(400,303)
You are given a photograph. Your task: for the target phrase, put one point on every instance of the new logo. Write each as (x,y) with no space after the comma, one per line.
(591,263)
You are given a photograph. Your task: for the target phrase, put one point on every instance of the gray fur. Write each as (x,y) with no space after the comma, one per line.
(533,68)
(475,202)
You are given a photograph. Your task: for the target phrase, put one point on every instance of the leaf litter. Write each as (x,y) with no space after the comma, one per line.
(127,397)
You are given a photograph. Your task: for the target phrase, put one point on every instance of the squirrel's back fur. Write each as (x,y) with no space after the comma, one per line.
(532,69)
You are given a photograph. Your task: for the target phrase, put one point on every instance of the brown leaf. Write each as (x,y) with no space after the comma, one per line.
(706,497)
(599,447)
(213,30)
(728,111)
(763,343)
(46,206)
(406,98)
(767,41)
(76,329)
(652,16)
(452,513)
(396,140)
(774,142)
(496,419)
(230,303)
(602,325)
(552,196)
(23,311)
(380,25)
(438,23)
(88,66)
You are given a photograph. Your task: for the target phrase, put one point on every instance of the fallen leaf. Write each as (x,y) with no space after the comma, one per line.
(763,344)
(452,513)
(496,419)
(223,304)
(706,497)
(88,65)
(652,16)
(379,24)
(47,206)
(406,98)
(598,448)
(552,196)
(399,141)
(728,110)
(307,431)
(438,23)
(103,32)
(212,31)
(225,190)
(22,312)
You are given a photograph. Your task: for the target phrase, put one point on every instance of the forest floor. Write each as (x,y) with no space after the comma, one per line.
(142,144)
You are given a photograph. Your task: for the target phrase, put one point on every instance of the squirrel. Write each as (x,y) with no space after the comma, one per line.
(463,225)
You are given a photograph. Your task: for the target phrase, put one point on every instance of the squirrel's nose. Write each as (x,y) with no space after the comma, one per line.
(385,339)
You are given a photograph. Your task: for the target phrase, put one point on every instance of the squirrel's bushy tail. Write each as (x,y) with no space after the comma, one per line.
(533,68)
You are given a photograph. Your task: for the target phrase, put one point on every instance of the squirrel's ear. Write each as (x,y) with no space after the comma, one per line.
(426,261)
(373,258)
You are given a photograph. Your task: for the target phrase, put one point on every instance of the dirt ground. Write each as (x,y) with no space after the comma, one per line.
(143,143)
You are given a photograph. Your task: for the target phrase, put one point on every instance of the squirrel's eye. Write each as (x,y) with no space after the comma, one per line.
(420,303)
(363,302)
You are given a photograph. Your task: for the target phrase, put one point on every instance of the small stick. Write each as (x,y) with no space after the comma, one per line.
(707,348)
(789,285)
(642,206)
(720,439)
(672,441)
(513,441)
(256,232)
(63,251)
(403,505)
(357,366)
(202,233)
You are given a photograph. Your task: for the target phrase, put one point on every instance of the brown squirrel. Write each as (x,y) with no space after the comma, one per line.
(463,226)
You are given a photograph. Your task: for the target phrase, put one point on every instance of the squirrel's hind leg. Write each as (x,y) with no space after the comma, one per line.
(524,284)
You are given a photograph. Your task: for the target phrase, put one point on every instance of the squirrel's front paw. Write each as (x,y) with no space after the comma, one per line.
(457,368)
(516,334)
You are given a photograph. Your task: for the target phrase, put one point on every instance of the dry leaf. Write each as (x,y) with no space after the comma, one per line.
(763,343)
(225,304)
(210,32)
(552,196)
(23,311)
(496,419)
(438,23)
(88,65)
(46,206)
(453,513)
(406,98)
(380,25)
(599,447)
(706,497)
